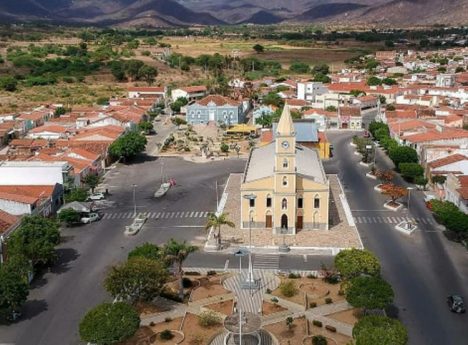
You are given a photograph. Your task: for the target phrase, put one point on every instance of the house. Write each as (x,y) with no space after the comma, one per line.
(445,80)
(456,191)
(321,118)
(456,164)
(49,132)
(100,134)
(296,104)
(148,91)
(289,185)
(191,93)
(18,173)
(215,108)
(262,110)
(42,200)
(350,117)
(310,90)
(35,118)
(437,136)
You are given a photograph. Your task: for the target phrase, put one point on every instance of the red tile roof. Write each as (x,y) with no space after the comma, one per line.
(217,100)
(296,102)
(25,194)
(447,160)
(6,221)
(433,135)
(193,89)
(49,128)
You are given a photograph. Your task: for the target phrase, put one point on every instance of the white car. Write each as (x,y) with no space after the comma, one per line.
(92,217)
(96,196)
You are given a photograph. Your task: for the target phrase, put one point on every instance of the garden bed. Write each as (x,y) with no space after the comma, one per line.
(224,307)
(271,308)
(196,334)
(209,287)
(393,205)
(288,336)
(350,316)
(371,176)
(333,338)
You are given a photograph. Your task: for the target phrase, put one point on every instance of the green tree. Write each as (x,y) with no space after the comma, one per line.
(217,222)
(224,148)
(264,120)
(8,83)
(92,181)
(176,253)
(369,292)
(357,93)
(321,68)
(76,194)
(35,239)
(374,329)
(440,179)
(146,126)
(148,73)
(410,171)
(14,290)
(273,98)
(374,81)
(322,78)
(299,67)
(403,154)
(289,322)
(128,146)
(147,251)
(372,64)
(354,262)
(108,323)
(179,103)
(60,111)
(138,279)
(389,81)
(132,68)
(258,48)
(421,181)
(69,216)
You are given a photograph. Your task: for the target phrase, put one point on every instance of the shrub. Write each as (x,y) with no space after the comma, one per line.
(268,291)
(330,328)
(274,300)
(294,276)
(332,278)
(403,154)
(319,340)
(211,273)
(317,323)
(186,283)
(312,305)
(209,319)
(288,289)
(190,273)
(166,335)
(168,319)
(328,300)
(311,276)
(410,171)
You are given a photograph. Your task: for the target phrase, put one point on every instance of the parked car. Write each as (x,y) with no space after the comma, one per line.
(456,304)
(92,217)
(96,196)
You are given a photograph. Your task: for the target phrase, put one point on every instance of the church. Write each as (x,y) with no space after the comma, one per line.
(284,186)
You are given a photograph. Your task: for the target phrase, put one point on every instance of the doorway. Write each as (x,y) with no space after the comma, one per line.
(268,221)
(300,222)
(284,222)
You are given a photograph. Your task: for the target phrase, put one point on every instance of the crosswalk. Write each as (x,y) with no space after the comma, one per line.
(266,261)
(157,215)
(393,220)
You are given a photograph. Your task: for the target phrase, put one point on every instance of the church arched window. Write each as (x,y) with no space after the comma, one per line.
(285,181)
(284,204)
(316,202)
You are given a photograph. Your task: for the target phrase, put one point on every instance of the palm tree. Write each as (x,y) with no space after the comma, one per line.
(218,221)
(176,253)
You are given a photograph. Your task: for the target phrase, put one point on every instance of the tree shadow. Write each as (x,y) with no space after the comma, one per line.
(140,159)
(64,257)
(30,309)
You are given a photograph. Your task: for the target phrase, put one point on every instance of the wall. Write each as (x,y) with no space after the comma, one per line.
(14,208)
(27,175)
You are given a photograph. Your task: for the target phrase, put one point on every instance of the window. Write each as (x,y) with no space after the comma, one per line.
(300,203)
(268,201)
(285,163)
(316,202)
(285,181)
(252,202)
(284,204)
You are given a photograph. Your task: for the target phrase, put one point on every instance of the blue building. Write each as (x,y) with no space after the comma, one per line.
(215,108)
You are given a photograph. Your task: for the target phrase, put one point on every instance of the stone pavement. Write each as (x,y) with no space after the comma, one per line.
(341,234)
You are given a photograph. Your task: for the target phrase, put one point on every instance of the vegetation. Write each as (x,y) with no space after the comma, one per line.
(452,218)
(354,262)
(373,329)
(69,216)
(411,171)
(76,194)
(128,146)
(394,192)
(288,289)
(369,292)
(403,154)
(13,290)
(319,340)
(289,322)
(179,103)
(217,222)
(176,253)
(209,319)
(109,323)
(35,240)
(92,181)
(147,251)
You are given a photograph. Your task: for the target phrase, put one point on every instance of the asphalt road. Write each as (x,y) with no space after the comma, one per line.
(423,268)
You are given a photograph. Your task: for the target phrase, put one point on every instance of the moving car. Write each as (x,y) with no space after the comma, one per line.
(92,217)
(96,196)
(456,304)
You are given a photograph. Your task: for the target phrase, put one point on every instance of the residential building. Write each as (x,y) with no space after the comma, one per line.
(289,184)
(215,108)
(147,91)
(18,173)
(350,117)
(31,199)
(445,80)
(308,91)
(456,191)
(191,93)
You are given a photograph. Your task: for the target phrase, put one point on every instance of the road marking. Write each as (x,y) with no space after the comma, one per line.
(177,214)
(226,264)
(305,258)
(172,215)
(191,214)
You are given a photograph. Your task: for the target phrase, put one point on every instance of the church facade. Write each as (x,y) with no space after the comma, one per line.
(284,187)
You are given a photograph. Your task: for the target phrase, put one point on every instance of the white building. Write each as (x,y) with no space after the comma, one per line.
(149,91)
(310,90)
(190,93)
(32,173)
(445,80)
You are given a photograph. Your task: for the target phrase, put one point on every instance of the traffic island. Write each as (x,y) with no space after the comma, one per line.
(393,205)
(406,227)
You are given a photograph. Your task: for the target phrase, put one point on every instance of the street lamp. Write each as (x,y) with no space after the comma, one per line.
(134,201)
(250,281)
(409,199)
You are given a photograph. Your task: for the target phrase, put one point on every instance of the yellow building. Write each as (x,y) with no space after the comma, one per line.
(284,186)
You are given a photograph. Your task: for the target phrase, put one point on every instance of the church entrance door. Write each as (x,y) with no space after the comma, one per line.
(269,221)
(284,222)
(300,222)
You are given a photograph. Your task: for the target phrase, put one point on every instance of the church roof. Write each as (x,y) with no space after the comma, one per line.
(262,163)
(285,124)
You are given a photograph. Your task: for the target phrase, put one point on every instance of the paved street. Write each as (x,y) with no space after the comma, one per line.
(423,269)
